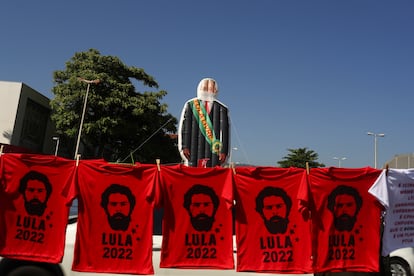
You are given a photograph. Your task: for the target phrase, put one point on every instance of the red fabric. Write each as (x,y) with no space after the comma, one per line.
(260,249)
(28,232)
(183,245)
(344,246)
(100,246)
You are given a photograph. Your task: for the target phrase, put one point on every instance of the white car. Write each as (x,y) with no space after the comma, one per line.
(401,262)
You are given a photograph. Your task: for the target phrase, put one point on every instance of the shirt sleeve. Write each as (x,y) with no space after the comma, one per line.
(379,189)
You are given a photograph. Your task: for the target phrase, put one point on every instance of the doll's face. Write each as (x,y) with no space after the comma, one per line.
(207,90)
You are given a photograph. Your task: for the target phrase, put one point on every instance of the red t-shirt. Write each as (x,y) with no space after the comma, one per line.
(34,206)
(115,221)
(346,219)
(272,235)
(197,221)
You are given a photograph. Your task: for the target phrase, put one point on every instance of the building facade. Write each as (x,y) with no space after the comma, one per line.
(25,118)
(401,161)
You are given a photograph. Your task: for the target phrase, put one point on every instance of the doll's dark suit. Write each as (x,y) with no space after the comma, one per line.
(193,138)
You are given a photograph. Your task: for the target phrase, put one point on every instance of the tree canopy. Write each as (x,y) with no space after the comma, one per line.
(119,119)
(299,157)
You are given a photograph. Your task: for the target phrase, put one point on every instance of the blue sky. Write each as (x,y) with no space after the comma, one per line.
(315,74)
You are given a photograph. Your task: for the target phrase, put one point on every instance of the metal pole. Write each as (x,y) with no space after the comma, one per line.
(83,112)
(375,145)
(57,145)
(375,151)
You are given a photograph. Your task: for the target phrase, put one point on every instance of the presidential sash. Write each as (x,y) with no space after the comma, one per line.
(205,125)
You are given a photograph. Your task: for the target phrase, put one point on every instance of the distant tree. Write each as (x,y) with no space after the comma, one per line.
(299,157)
(119,118)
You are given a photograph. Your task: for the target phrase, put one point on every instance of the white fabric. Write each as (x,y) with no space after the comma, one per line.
(395,190)
(379,189)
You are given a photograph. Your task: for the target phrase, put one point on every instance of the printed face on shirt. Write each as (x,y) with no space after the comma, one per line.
(275,214)
(345,205)
(36,189)
(201,212)
(201,203)
(344,202)
(273,204)
(35,195)
(118,203)
(344,212)
(274,207)
(119,211)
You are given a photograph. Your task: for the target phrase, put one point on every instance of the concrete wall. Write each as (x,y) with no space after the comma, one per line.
(402,161)
(9,102)
(25,118)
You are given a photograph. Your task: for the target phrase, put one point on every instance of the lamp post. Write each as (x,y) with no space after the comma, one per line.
(339,160)
(83,111)
(375,145)
(56,138)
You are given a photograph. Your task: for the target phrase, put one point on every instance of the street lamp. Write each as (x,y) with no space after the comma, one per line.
(56,138)
(83,111)
(339,160)
(375,145)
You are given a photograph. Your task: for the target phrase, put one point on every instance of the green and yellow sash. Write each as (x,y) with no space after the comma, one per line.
(205,125)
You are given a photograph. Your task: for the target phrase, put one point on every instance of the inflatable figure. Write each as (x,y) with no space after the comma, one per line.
(204,130)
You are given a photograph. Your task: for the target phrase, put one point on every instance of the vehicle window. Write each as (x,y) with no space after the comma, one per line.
(73,211)
(158,213)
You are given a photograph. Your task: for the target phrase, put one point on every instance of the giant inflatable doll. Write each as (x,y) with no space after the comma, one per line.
(204,130)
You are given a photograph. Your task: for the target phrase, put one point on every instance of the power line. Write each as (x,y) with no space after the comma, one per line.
(132,152)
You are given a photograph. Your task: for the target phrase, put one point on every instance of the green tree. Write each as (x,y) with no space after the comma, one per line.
(299,157)
(119,119)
